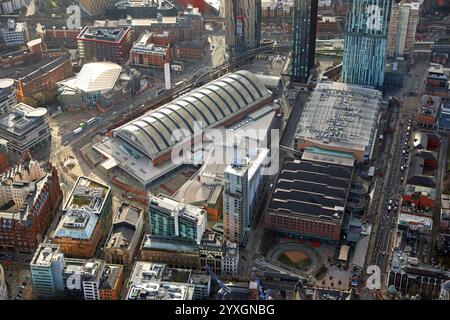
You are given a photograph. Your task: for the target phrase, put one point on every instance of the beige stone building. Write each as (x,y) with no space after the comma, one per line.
(243,23)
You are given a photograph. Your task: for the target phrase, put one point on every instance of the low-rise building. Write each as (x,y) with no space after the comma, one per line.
(327,24)
(428,110)
(444,221)
(200,194)
(45,77)
(25,129)
(30,194)
(188,25)
(79,233)
(437,82)
(410,277)
(144,53)
(32,54)
(154,281)
(309,199)
(419,173)
(55,276)
(126,231)
(14,34)
(142,9)
(219,254)
(191,50)
(175,253)
(341,117)
(173,219)
(273,8)
(111,282)
(98,85)
(419,200)
(58,35)
(82,278)
(443,124)
(86,219)
(47,267)
(105,44)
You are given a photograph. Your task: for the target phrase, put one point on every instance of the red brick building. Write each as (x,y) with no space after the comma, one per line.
(59,35)
(105,44)
(4,164)
(45,77)
(23,224)
(440,58)
(144,53)
(428,110)
(111,282)
(191,50)
(31,54)
(309,200)
(420,197)
(165,38)
(200,4)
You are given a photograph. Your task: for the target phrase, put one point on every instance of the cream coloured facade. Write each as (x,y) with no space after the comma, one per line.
(243,23)
(3,290)
(402,29)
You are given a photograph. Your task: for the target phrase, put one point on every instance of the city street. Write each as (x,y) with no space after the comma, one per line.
(385,220)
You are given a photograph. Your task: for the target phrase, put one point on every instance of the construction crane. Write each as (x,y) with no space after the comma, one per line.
(224,289)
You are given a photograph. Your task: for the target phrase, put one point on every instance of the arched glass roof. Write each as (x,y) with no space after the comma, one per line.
(207,106)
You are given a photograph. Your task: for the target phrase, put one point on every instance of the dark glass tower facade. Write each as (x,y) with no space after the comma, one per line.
(366,38)
(304,38)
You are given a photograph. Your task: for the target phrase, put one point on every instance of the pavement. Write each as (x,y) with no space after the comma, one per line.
(384,220)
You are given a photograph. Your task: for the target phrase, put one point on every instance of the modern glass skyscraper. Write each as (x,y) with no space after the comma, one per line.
(366,39)
(304,38)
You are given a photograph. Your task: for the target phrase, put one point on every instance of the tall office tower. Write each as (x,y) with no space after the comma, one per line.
(402,29)
(243,185)
(304,39)
(243,24)
(366,42)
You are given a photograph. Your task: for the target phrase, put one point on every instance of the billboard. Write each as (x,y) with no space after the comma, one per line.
(239,25)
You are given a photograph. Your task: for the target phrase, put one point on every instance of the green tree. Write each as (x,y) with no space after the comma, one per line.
(30,101)
(40,99)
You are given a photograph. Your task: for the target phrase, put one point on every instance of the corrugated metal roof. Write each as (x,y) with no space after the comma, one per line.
(207,106)
(98,76)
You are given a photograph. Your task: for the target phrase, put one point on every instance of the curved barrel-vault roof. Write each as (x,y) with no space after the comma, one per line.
(208,106)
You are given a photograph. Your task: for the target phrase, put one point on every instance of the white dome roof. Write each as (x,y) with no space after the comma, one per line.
(98,76)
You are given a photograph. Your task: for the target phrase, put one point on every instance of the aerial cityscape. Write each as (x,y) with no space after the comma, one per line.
(224,150)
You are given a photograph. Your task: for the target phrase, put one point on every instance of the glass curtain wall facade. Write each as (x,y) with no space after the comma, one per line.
(304,39)
(365,45)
